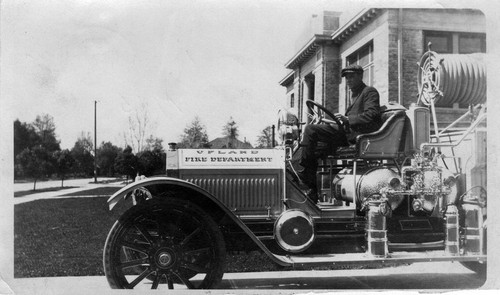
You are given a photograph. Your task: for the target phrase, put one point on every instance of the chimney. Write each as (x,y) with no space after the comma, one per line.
(324,23)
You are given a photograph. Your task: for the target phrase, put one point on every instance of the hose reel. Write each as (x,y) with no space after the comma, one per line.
(452,78)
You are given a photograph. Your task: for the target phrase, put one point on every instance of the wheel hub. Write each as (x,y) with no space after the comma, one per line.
(164,259)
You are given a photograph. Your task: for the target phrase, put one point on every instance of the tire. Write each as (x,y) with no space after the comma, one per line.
(169,241)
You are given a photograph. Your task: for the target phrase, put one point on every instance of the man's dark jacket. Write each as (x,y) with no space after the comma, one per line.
(364,111)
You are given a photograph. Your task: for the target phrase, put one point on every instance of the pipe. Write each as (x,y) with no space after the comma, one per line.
(467,132)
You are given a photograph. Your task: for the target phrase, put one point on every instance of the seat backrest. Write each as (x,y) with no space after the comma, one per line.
(384,116)
(389,141)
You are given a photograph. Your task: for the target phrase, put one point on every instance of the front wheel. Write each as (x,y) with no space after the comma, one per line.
(171,242)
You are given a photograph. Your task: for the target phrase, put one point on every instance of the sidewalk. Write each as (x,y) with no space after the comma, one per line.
(435,275)
(85,184)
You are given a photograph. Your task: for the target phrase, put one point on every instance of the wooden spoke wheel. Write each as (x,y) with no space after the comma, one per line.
(169,242)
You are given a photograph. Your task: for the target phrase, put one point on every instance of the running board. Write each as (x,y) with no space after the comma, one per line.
(363,258)
(439,245)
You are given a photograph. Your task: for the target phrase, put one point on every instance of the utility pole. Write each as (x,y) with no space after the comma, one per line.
(95,141)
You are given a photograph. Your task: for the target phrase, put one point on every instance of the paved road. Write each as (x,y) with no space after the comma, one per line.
(76,184)
(26,186)
(418,276)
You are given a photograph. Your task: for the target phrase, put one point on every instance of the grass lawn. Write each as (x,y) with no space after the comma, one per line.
(61,237)
(65,237)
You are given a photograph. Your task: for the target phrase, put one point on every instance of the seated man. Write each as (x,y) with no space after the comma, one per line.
(362,116)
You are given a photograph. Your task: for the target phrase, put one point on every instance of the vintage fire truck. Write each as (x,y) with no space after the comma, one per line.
(397,195)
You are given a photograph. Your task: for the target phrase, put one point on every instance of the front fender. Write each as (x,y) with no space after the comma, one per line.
(125,191)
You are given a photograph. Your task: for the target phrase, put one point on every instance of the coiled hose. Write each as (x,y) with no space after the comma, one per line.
(452,78)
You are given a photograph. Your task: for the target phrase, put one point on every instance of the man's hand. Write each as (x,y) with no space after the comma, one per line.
(342,118)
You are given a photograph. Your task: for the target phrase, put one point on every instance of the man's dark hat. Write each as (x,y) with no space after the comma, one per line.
(351,69)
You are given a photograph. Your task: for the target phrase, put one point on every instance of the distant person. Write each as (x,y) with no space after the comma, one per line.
(362,116)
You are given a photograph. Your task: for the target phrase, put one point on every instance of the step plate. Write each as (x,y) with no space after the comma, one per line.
(395,257)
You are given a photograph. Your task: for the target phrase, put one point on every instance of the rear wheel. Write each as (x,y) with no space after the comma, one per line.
(171,242)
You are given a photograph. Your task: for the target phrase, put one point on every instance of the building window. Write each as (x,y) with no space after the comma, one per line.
(471,43)
(441,42)
(364,58)
(454,42)
(292,100)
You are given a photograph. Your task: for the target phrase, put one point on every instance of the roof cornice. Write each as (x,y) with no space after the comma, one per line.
(288,79)
(341,34)
(355,24)
(308,50)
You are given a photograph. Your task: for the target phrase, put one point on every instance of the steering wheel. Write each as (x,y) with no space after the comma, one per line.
(320,111)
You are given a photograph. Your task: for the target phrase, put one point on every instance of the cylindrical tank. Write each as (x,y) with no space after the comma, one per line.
(420,119)
(452,245)
(376,230)
(453,78)
(369,181)
(474,232)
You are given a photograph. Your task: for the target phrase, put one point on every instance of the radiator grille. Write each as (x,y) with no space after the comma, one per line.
(247,193)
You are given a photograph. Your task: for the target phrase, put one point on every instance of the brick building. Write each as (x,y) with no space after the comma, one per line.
(388,43)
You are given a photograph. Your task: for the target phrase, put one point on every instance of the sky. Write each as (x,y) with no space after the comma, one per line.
(213,59)
(181,59)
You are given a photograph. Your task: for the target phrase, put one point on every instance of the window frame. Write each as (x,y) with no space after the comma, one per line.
(368,68)
(482,40)
(447,35)
(454,41)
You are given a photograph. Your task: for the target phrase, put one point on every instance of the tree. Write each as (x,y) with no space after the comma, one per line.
(34,163)
(139,127)
(82,153)
(265,139)
(126,163)
(64,163)
(45,128)
(40,133)
(231,133)
(231,129)
(106,157)
(195,135)
(151,162)
(154,143)
(25,136)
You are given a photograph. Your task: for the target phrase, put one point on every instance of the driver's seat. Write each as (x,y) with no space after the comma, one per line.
(389,142)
